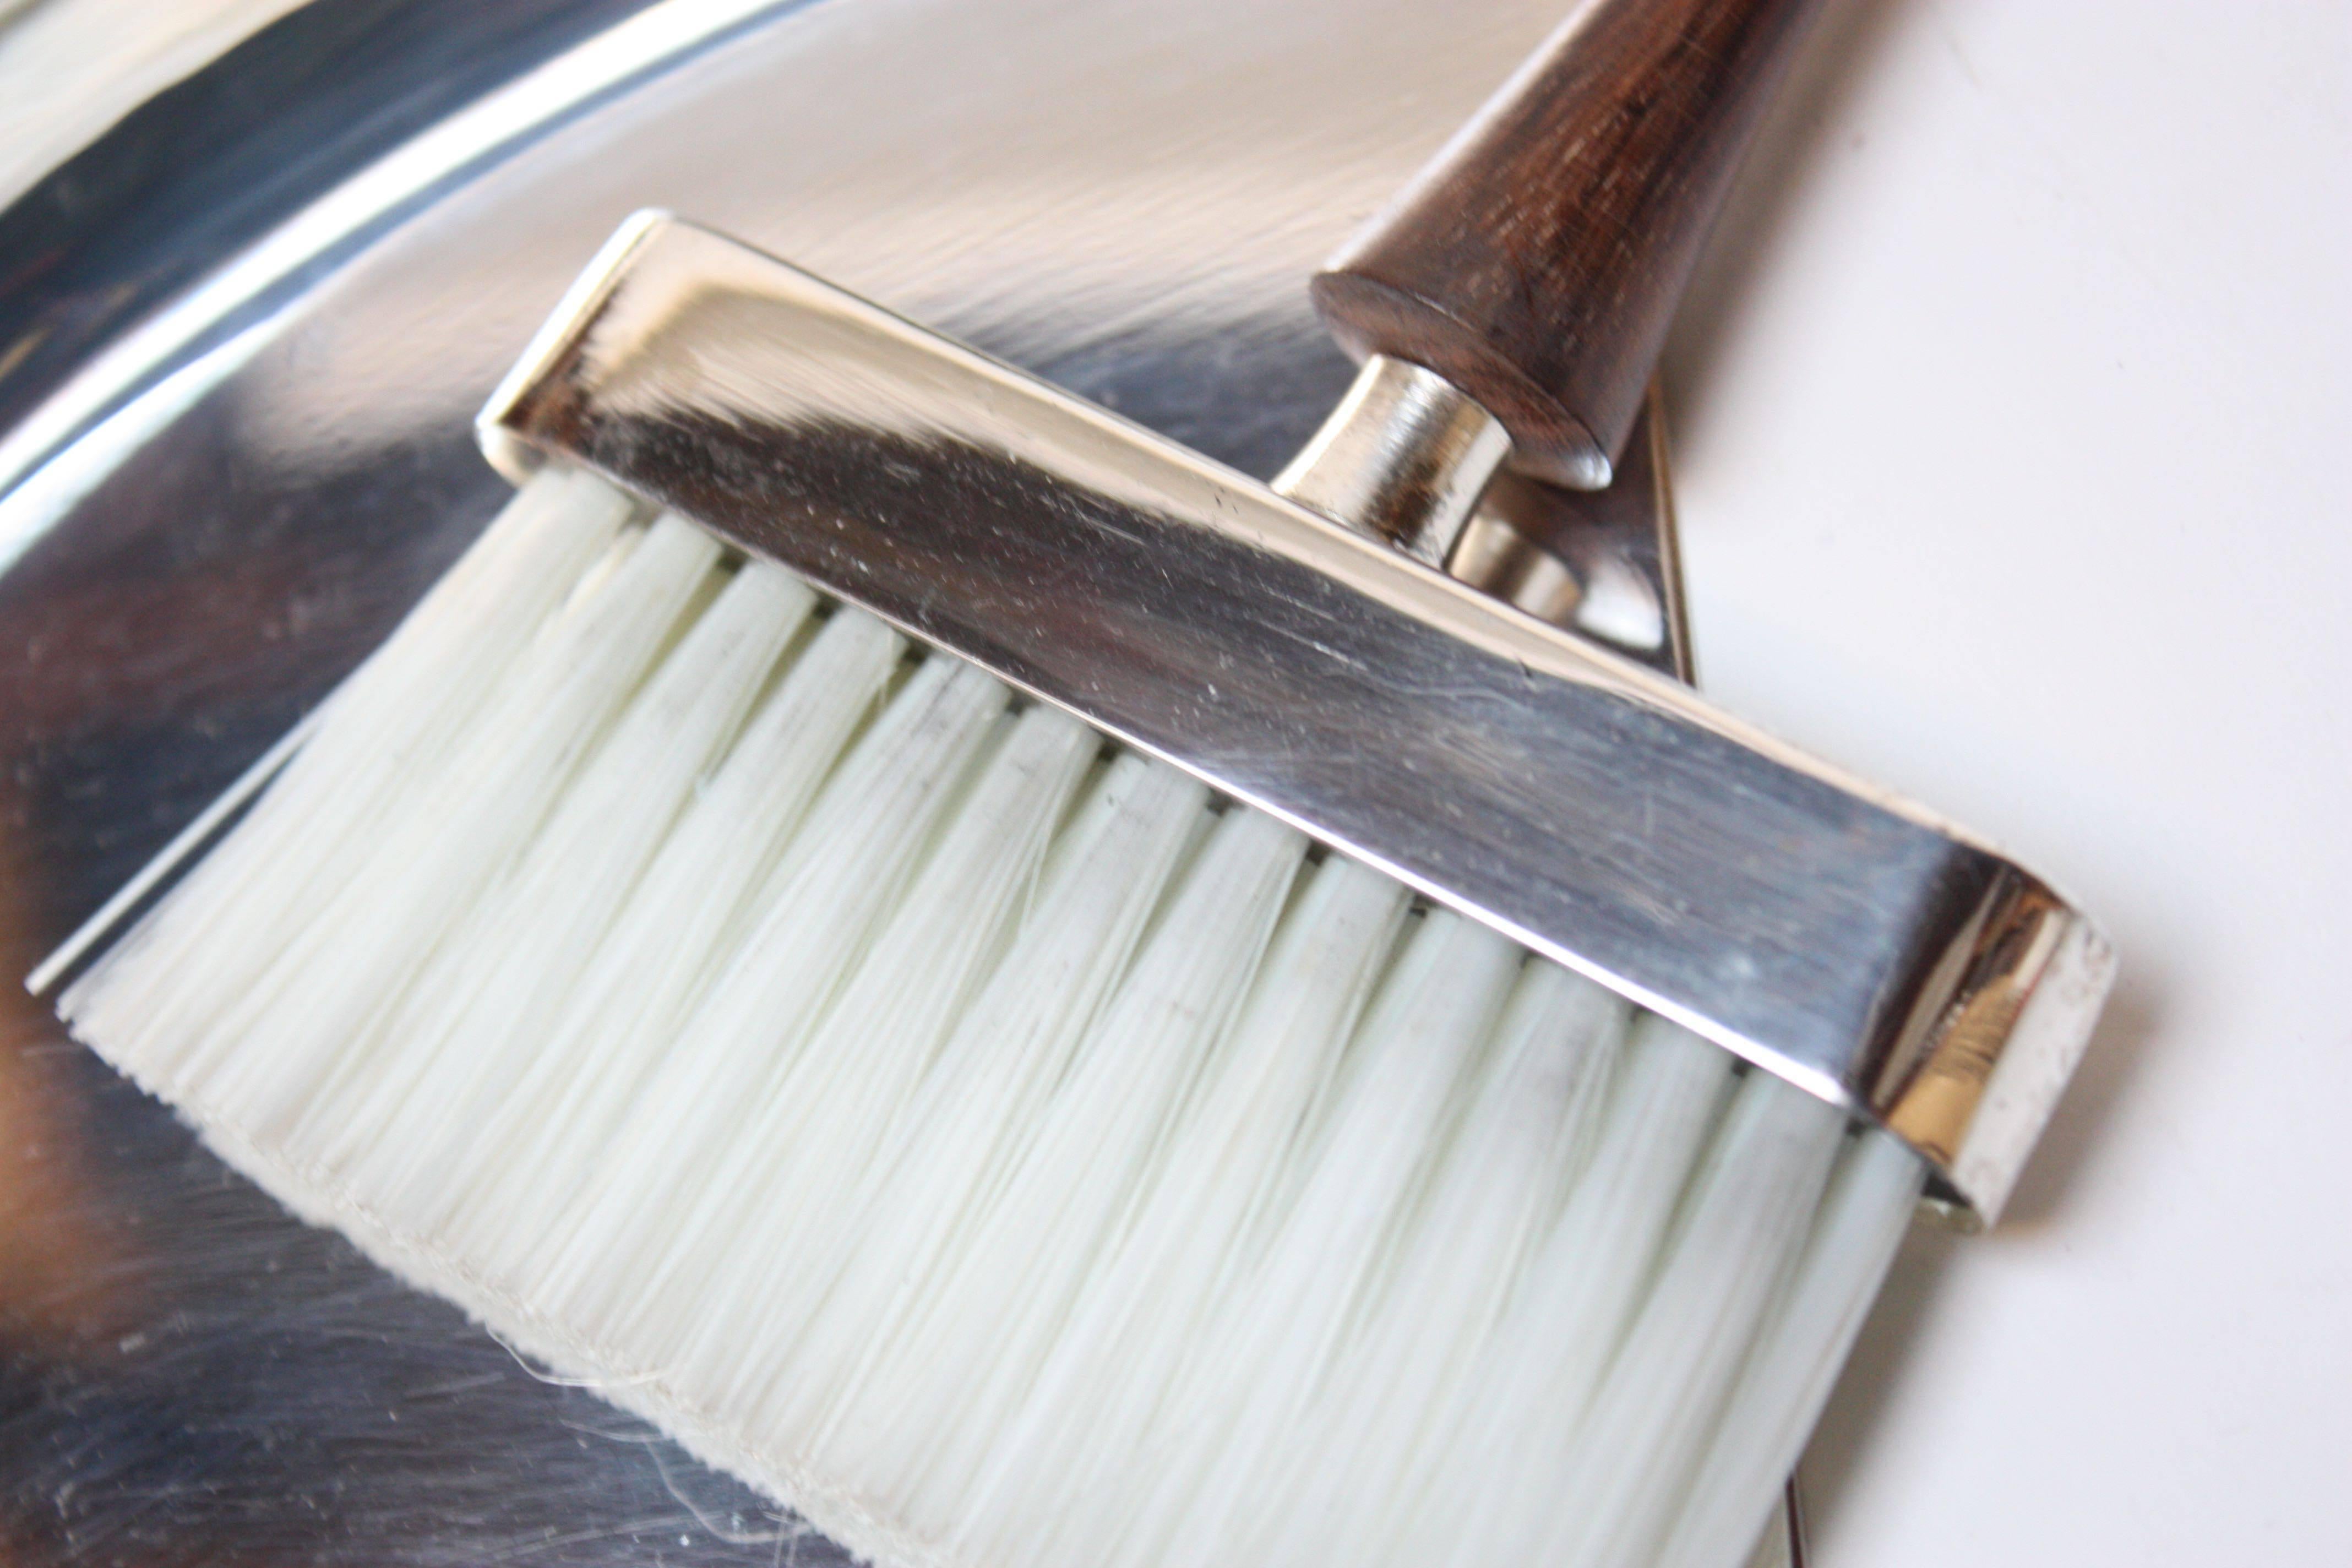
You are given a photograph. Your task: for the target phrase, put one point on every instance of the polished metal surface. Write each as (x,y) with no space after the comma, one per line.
(1611,572)
(1602,815)
(1402,459)
(241,342)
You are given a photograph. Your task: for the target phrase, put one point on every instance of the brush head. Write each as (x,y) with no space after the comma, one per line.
(1856,945)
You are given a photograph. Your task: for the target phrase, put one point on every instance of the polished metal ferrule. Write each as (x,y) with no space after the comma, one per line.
(1579,803)
(1403,459)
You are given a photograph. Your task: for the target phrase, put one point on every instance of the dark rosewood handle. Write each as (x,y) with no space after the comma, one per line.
(1535,263)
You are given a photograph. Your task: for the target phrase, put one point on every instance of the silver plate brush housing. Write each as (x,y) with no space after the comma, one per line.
(1605,817)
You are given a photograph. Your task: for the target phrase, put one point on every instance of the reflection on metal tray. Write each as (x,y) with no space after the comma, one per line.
(241,341)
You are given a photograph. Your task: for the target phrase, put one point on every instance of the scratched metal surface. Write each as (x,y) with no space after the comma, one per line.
(224,516)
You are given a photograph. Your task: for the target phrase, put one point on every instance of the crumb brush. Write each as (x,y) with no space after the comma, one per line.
(1046,1002)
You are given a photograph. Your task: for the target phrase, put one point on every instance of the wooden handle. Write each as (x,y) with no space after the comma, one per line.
(1536,261)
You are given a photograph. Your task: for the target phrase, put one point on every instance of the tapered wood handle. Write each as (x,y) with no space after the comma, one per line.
(1536,261)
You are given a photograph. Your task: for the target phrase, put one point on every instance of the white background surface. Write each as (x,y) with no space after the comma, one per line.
(2015,462)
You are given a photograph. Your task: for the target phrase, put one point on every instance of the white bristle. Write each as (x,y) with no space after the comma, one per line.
(1239,1156)
(1280,1331)
(817,1132)
(467,1029)
(1524,1139)
(983,1144)
(915,1427)
(611,1036)
(1744,1212)
(334,984)
(391,725)
(1817,1313)
(837,886)
(1509,1426)
(981,1104)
